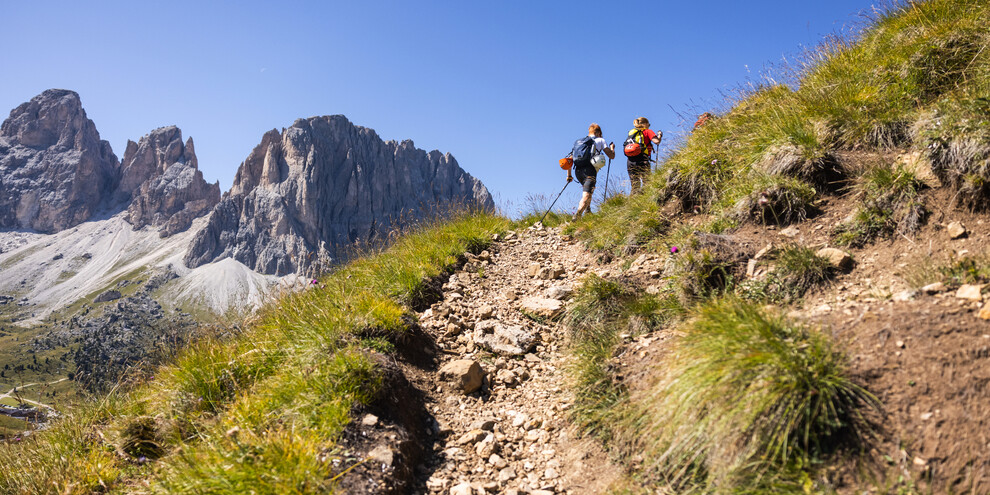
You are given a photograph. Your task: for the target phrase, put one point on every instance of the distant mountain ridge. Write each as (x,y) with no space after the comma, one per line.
(322,184)
(56,172)
(300,200)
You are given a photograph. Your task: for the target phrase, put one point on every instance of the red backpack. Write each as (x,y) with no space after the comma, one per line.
(635,143)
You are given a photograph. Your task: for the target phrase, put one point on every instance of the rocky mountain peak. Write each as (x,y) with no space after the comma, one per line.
(161,180)
(321,185)
(55,118)
(55,171)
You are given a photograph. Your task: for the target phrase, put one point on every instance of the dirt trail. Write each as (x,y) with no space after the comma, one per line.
(11,392)
(512,436)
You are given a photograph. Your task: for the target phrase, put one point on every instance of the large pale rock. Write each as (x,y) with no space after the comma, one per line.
(464,375)
(506,339)
(541,307)
(970,292)
(161,181)
(55,171)
(311,191)
(837,258)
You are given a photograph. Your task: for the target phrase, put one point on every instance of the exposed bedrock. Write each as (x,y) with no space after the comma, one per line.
(55,171)
(314,189)
(161,181)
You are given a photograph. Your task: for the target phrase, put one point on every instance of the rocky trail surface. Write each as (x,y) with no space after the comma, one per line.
(497,328)
(494,395)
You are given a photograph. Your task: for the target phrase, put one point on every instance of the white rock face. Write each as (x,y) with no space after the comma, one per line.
(314,189)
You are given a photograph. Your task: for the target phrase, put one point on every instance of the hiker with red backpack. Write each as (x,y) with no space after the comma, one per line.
(638,148)
(587,160)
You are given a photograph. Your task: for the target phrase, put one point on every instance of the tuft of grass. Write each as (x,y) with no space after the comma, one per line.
(955,137)
(796,270)
(69,457)
(599,312)
(703,267)
(777,200)
(748,392)
(890,201)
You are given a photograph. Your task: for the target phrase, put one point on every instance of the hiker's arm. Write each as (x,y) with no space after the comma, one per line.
(610,151)
(656,139)
(569,178)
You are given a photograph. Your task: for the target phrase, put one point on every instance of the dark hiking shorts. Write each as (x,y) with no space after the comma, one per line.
(587,176)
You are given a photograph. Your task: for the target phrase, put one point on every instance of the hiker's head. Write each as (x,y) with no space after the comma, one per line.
(641,123)
(595,130)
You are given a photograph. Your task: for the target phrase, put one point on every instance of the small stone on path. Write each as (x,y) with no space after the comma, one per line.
(956,230)
(463,374)
(837,258)
(541,307)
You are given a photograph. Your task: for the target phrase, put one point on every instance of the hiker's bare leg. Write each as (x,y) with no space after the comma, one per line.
(584,204)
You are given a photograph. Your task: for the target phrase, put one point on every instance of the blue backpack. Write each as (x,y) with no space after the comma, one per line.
(583,150)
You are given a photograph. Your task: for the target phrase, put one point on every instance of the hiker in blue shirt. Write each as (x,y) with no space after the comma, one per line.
(585,151)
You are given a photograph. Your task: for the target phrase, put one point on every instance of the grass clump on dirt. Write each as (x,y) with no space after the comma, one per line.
(795,270)
(261,411)
(600,312)
(955,137)
(747,393)
(777,200)
(890,201)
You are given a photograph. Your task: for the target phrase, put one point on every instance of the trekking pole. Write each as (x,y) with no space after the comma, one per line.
(608,170)
(554,202)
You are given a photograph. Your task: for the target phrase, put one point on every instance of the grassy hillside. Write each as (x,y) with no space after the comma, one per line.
(917,79)
(742,397)
(699,377)
(259,412)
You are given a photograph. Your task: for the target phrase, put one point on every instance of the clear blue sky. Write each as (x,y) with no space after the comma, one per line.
(506,87)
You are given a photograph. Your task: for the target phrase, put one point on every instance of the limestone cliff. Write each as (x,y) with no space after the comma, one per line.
(161,181)
(321,185)
(55,172)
